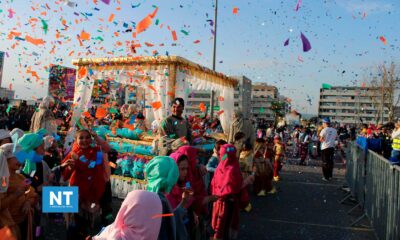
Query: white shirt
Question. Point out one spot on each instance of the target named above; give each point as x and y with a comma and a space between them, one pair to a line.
329, 134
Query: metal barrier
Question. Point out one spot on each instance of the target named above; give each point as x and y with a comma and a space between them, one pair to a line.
355, 173
375, 184
382, 203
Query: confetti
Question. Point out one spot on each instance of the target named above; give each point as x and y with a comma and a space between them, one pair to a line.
163, 215
235, 10
306, 43
156, 105
383, 40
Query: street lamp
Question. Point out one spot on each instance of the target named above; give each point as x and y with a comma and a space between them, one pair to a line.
214, 55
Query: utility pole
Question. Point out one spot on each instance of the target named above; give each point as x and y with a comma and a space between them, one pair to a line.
214, 57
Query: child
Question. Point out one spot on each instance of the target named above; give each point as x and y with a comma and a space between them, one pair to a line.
213, 162
246, 160
261, 168
279, 154
90, 172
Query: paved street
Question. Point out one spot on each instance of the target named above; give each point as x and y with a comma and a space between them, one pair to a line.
305, 208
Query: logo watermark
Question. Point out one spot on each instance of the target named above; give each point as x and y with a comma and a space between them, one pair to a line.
60, 199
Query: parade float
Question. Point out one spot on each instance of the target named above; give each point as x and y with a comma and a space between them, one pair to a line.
161, 79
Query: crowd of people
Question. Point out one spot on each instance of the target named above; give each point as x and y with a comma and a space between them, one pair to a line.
185, 198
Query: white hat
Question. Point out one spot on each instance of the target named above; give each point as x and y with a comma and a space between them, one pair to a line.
17, 131
4, 134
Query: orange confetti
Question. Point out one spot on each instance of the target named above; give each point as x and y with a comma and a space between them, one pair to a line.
221, 98
163, 215
149, 44
220, 112
82, 72
101, 113
144, 24
35, 41
152, 88
196, 42
235, 10
85, 35
202, 107
111, 18
174, 37
156, 105
71, 53
86, 114
383, 39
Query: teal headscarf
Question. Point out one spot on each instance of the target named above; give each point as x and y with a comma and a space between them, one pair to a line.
30, 141
162, 173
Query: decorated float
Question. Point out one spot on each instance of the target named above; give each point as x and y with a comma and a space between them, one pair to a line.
160, 79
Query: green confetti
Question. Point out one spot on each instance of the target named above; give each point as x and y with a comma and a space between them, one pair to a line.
262, 110
99, 38
8, 109
157, 22
184, 32
44, 26
224, 157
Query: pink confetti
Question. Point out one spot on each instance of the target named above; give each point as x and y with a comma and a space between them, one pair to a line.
298, 5
106, 1
10, 13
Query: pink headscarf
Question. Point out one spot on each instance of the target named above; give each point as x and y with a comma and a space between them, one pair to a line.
227, 177
138, 218
194, 177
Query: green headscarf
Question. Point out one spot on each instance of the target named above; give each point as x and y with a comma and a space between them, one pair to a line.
30, 141
162, 174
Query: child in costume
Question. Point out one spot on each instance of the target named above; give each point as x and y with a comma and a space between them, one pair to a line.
279, 155
90, 172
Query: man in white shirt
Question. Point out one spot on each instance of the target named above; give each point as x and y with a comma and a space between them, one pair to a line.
328, 138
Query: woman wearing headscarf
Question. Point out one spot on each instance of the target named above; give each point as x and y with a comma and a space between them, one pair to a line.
162, 174
227, 185
241, 125
44, 118
190, 176
20, 198
138, 218
35, 168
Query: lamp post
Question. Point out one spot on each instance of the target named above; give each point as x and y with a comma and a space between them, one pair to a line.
214, 55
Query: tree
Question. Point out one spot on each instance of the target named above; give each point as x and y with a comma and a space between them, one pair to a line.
383, 91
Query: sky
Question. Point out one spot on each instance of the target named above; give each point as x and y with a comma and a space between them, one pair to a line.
349, 39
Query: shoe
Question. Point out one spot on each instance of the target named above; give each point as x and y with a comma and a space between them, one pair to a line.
277, 178
248, 208
326, 179
262, 193
273, 191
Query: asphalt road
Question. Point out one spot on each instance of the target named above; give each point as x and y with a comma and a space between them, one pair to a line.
305, 208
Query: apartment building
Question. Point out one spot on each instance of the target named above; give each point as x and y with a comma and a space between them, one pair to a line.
351, 105
262, 96
242, 95
242, 99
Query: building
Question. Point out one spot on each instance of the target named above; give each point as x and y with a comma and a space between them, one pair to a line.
242, 96
262, 97
197, 97
242, 99
351, 105
6, 93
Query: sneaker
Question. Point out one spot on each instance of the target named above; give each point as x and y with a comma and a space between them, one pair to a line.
262, 193
273, 191
325, 179
248, 208
277, 178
